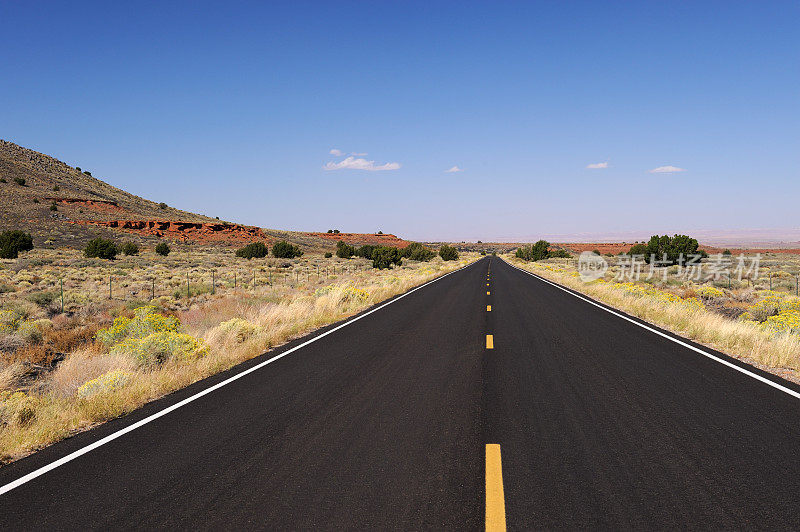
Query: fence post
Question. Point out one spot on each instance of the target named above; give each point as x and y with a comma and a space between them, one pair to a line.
213, 283
234, 280
254, 279
61, 282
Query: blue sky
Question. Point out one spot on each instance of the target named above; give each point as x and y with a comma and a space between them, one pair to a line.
231, 109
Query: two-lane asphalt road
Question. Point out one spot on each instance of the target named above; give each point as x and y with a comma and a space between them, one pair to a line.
399, 420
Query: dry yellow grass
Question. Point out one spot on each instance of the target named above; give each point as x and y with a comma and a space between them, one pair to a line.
234, 325
739, 338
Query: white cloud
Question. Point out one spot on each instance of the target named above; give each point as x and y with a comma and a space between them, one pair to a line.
453, 170
352, 163
359, 154
336, 153
595, 166
666, 170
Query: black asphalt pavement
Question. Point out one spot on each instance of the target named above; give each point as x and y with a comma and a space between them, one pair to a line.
383, 424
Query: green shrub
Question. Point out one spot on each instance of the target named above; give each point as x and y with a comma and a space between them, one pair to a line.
130, 248
56, 188
3, 180
20, 181
385, 256
638, 249
285, 250
673, 247
12, 242
328, 254
87, 172
418, 252
448, 252
538, 251
43, 299
559, 253
36, 200
254, 250
163, 249
727, 252
162, 205
101, 248
344, 251
366, 251
53, 206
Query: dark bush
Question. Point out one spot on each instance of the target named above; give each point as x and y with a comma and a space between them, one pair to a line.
328, 254
12, 242
87, 172
344, 251
672, 248
56, 188
163, 249
448, 252
101, 248
35, 200
162, 205
559, 253
385, 256
254, 250
727, 252
130, 248
366, 251
78, 168
538, 251
53, 206
20, 181
638, 249
416, 251
3, 180
285, 250
330, 230
336, 231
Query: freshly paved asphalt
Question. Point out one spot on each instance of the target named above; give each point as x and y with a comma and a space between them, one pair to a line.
383, 425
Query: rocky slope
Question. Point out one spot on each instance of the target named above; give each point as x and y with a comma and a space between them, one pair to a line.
61, 205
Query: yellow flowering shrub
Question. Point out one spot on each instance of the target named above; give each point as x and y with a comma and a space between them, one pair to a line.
710, 292
145, 322
351, 293
238, 329
32, 330
691, 303
159, 347
106, 382
776, 312
17, 408
9, 321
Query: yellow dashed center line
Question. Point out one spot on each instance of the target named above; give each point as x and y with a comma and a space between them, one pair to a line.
495, 498
489, 341
488, 308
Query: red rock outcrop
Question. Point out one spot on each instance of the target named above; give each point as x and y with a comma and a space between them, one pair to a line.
185, 231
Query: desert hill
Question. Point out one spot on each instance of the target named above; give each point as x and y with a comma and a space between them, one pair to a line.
61, 205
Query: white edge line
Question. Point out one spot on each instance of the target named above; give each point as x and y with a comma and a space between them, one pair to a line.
83, 450
668, 337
